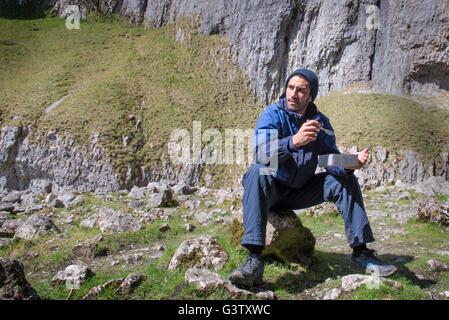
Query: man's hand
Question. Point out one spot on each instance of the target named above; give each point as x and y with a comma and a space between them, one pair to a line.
307, 133
362, 156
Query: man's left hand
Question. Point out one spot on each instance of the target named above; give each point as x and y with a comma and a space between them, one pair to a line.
362, 156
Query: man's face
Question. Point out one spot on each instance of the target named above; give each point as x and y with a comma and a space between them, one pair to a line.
298, 94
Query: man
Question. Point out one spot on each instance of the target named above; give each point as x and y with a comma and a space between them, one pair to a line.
298, 140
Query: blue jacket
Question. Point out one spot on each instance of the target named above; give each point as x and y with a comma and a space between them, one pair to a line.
295, 166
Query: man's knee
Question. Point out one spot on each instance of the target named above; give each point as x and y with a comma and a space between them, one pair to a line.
334, 185
256, 176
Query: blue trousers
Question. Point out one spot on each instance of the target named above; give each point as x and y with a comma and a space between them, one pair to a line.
262, 192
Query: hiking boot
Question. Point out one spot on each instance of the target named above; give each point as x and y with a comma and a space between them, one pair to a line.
250, 273
368, 261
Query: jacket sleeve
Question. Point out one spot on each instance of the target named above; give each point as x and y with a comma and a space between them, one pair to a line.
329, 147
268, 142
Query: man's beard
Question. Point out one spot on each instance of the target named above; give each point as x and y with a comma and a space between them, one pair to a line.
298, 108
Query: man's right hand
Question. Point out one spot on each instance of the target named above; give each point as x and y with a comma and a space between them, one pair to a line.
307, 133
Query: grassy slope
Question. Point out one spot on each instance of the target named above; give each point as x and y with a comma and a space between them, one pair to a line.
398, 123
113, 71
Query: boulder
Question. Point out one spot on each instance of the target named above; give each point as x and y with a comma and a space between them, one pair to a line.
7, 206
332, 294
184, 189
201, 251
286, 238
433, 185
37, 224
13, 284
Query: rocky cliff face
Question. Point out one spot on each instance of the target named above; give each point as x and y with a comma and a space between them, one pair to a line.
401, 46
52, 163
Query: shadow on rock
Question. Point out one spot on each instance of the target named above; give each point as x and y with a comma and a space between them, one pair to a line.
28, 10
400, 261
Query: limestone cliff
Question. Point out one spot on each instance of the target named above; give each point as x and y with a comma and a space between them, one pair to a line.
400, 46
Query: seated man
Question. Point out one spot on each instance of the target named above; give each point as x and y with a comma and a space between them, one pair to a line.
296, 125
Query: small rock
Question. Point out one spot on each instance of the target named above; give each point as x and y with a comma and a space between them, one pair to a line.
420, 276
66, 197
202, 217
131, 282
189, 227
332, 294
165, 227
192, 204
161, 199
74, 274
209, 204
202, 252
404, 195
136, 192
7, 206
50, 197
436, 265
206, 280
354, 281
9, 227
110, 220
57, 203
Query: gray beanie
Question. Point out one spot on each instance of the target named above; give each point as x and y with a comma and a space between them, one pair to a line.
310, 76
